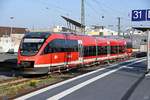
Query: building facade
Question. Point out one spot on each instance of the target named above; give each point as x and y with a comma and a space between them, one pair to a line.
10, 38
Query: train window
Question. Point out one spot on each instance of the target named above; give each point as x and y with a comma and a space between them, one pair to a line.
114, 49
72, 45
93, 50
99, 50
57, 45
108, 49
61, 45
121, 49
85, 51
102, 50
105, 50
89, 51
129, 44
47, 49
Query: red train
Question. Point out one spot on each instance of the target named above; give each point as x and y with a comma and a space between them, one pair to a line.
41, 52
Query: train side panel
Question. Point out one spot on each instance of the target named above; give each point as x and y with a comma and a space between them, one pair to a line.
65, 50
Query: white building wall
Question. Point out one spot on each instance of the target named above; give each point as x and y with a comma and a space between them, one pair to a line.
105, 31
6, 44
16, 39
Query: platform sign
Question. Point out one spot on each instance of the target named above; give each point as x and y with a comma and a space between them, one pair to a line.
139, 15
143, 15
148, 15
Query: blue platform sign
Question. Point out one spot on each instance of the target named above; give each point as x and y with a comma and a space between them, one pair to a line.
148, 15
139, 15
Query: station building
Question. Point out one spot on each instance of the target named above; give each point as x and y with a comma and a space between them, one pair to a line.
100, 31
10, 38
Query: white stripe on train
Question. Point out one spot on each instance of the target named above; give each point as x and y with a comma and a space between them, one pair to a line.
79, 61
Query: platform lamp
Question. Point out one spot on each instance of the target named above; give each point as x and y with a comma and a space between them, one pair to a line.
103, 22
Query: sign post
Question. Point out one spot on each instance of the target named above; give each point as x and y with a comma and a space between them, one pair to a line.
148, 15
143, 15
148, 42
148, 50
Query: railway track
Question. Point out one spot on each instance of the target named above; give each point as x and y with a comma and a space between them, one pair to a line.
80, 70
55, 77
15, 81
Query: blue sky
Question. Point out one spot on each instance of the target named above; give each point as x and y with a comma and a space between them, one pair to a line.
46, 13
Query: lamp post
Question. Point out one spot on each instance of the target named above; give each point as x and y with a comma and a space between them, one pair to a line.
102, 26
11, 28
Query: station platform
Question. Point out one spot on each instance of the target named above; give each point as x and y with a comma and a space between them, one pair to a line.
123, 81
142, 91
10, 58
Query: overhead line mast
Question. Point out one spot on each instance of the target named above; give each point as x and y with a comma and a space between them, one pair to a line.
119, 26
82, 17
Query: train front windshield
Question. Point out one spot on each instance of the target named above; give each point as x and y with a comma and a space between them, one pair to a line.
30, 46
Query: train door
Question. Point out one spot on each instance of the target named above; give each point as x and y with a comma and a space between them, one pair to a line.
72, 51
67, 53
108, 49
96, 49
58, 52
80, 49
69, 50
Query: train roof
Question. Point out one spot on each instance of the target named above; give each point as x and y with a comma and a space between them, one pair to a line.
81, 36
37, 35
